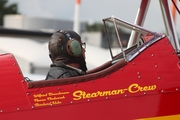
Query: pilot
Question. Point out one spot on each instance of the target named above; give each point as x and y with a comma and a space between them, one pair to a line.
67, 53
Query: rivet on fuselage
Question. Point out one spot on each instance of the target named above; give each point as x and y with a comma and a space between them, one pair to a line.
18, 108
51, 104
162, 91
88, 100
75, 85
125, 95
152, 55
71, 102
144, 93
121, 69
106, 98
138, 73
92, 81
32, 107
42, 92
133, 63
159, 78
58, 88
1, 111
22, 81
139, 76
27, 93
107, 76
155, 66
177, 89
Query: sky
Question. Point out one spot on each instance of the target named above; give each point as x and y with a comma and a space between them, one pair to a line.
94, 11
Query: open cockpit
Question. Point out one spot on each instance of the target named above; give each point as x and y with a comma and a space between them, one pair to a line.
120, 50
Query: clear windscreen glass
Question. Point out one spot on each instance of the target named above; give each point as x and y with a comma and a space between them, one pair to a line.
118, 34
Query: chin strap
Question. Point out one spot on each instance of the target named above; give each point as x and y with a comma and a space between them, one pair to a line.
78, 70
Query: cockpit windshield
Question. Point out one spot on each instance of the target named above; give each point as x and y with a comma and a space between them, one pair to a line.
122, 35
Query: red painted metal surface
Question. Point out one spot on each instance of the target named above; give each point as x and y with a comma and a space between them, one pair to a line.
147, 86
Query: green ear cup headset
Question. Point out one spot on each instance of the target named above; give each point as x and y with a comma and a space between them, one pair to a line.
73, 46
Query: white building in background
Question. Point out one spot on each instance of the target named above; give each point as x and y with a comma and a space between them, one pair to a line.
93, 38
27, 38
32, 23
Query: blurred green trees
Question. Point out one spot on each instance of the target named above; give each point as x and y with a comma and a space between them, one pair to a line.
95, 27
6, 8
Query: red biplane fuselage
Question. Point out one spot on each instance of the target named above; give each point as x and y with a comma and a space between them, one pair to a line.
140, 83
147, 86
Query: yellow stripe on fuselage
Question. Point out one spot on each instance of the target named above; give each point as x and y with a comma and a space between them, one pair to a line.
170, 117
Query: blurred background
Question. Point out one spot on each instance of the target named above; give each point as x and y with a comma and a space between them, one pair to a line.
27, 25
